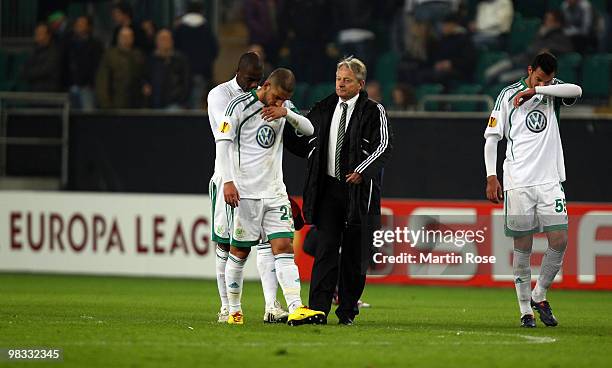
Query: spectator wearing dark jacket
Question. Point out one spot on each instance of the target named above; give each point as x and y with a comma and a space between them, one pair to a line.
168, 75
119, 81
195, 39
123, 16
261, 20
84, 54
42, 70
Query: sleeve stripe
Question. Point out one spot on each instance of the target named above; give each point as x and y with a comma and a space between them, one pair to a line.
384, 142
234, 102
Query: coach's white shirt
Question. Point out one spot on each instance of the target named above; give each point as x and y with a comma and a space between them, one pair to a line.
218, 99
333, 132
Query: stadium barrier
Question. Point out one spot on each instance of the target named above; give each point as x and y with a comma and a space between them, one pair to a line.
168, 235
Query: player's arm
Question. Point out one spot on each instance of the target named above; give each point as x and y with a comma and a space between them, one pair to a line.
288, 111
563, 90
224, 139
381, 138
493, 134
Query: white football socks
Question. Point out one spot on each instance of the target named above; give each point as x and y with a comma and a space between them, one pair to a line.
522, 279
267, 273
233, 279
220, 261
289, 279
551, 264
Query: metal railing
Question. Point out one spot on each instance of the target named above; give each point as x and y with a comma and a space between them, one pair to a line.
24, 102
456, 99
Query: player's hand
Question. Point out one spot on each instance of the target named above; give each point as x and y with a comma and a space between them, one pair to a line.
354, 178
524, 96
230, 193
494, 190
270, 113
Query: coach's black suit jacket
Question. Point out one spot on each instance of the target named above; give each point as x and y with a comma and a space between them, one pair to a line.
344, 213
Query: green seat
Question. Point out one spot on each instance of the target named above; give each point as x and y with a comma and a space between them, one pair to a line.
522, 33
485, 60
4, 71
319, 92
596, 76
299, 96
568, 67
467, 89
386, 68
428, 89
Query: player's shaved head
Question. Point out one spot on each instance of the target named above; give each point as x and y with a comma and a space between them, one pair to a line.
250, 71
283, 78
249, 60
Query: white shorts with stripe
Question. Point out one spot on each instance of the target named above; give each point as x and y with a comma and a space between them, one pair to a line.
259, 220
539, 208
220, 211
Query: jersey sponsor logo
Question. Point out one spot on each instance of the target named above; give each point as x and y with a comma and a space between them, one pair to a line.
492, 122
536, 121
224, 127
266, 136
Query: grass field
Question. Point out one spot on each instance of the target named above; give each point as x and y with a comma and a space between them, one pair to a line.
109, 322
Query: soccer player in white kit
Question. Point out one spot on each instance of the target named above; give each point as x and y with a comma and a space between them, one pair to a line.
527, 114
249, 145
248, 76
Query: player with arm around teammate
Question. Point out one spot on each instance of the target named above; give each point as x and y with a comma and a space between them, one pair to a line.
251, 134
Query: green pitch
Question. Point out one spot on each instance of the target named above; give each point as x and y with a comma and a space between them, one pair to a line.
111, 322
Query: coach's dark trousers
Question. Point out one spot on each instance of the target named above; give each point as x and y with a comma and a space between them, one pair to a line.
331, 264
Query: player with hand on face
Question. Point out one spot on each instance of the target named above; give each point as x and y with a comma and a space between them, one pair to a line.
526, 113
250, 147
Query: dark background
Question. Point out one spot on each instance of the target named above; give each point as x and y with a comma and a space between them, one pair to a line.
433, 158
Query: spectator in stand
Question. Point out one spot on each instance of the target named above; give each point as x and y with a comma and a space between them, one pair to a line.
352, 20
58, 23
578, 18
493, 21
122, 15
149, 29
374, 91
168, 75
452, 58
306, 49
261, 20
195, 39
403, 98
120, 76
550, 38
42, 70
84, 54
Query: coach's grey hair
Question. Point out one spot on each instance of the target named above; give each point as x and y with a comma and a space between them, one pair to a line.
355, 65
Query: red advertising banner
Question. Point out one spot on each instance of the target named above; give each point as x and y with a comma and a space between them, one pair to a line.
485, 259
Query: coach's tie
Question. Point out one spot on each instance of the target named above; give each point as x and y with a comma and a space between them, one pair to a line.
341, 131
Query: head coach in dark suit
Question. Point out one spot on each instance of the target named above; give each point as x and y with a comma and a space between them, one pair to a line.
346, 157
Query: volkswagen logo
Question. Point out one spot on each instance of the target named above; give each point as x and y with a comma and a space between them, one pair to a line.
266, 136
536, 121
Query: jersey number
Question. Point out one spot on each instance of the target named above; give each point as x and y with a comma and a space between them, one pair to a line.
286, 213
560, 205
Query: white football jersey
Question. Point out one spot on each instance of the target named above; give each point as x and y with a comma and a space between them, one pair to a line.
534, 154
257, 152
218, 99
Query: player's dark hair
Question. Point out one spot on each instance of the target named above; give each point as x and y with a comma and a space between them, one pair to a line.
125, 8
545, 61
249, 60
283, 78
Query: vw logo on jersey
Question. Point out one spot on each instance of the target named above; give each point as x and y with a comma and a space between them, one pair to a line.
266, 136
536, 121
